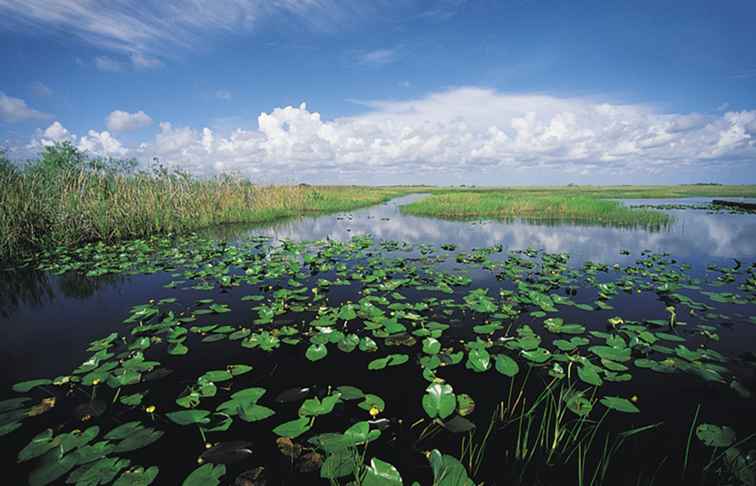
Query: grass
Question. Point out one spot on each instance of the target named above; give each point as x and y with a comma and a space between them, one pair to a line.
65, 198
577, 208
577, 204
622, 191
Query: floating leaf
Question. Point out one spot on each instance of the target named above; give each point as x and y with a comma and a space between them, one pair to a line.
506, 365
188, 417
205, 475
26, 386
439, 400
381, 474
715, 436
293, 428
620, 404
316, 352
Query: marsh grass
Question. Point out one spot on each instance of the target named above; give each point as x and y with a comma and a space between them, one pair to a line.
65, 198
536, 206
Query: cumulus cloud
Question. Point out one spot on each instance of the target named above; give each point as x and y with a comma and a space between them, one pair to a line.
123, 121
56, 133
460, 132
16, 110
102, 143
95, 143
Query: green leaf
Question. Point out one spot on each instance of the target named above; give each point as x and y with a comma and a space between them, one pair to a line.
439, 400
293, 428
205, 475
465, 404
188, 417
431, 345
25, 386
381, 474
715, 436
316, 352
339, 464
448, 471
314, 406
138, 476
506, 365
620, 404
538, 355
478, 360
589, 374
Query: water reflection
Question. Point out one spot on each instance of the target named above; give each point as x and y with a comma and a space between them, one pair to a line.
695, 235
34, 289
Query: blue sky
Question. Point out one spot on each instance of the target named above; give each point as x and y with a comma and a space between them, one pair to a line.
442, 91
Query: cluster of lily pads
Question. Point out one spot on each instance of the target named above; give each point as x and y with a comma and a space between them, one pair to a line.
414, 309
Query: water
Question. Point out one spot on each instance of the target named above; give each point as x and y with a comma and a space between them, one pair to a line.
48, 320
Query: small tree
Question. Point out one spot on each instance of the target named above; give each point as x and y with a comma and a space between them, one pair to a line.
60, 156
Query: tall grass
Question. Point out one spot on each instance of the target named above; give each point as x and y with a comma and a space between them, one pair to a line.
536, 207
66, 198
614, 192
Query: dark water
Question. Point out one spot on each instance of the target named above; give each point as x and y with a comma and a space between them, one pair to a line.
46, 322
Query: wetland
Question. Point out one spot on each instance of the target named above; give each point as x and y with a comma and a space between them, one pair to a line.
375, 346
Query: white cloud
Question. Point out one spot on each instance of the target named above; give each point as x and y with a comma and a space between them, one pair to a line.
123, 121
378, 57
16, 110
460, 132
108, 64
56, 133
150, 26
223, 94
102, 143
95, 143
40, 89
140, 61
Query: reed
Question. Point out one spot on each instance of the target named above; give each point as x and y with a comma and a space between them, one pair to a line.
65, 198
536, 206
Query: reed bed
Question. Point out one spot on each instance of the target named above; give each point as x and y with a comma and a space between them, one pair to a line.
53, 202
534, 206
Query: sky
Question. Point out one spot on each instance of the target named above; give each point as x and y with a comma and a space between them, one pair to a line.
447, 92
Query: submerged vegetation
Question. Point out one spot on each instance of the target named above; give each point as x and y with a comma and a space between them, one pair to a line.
576, 208
66, 198
376, 362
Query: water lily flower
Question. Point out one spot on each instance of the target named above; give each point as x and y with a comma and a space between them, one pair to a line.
150, 409
374, 411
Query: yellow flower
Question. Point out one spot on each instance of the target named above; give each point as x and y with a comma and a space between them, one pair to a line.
374, 411
96, 381
634, 398
150, 409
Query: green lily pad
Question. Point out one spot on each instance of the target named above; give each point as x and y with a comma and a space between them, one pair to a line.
205, 475
620, 404
715, 436
381, 473
439, 400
